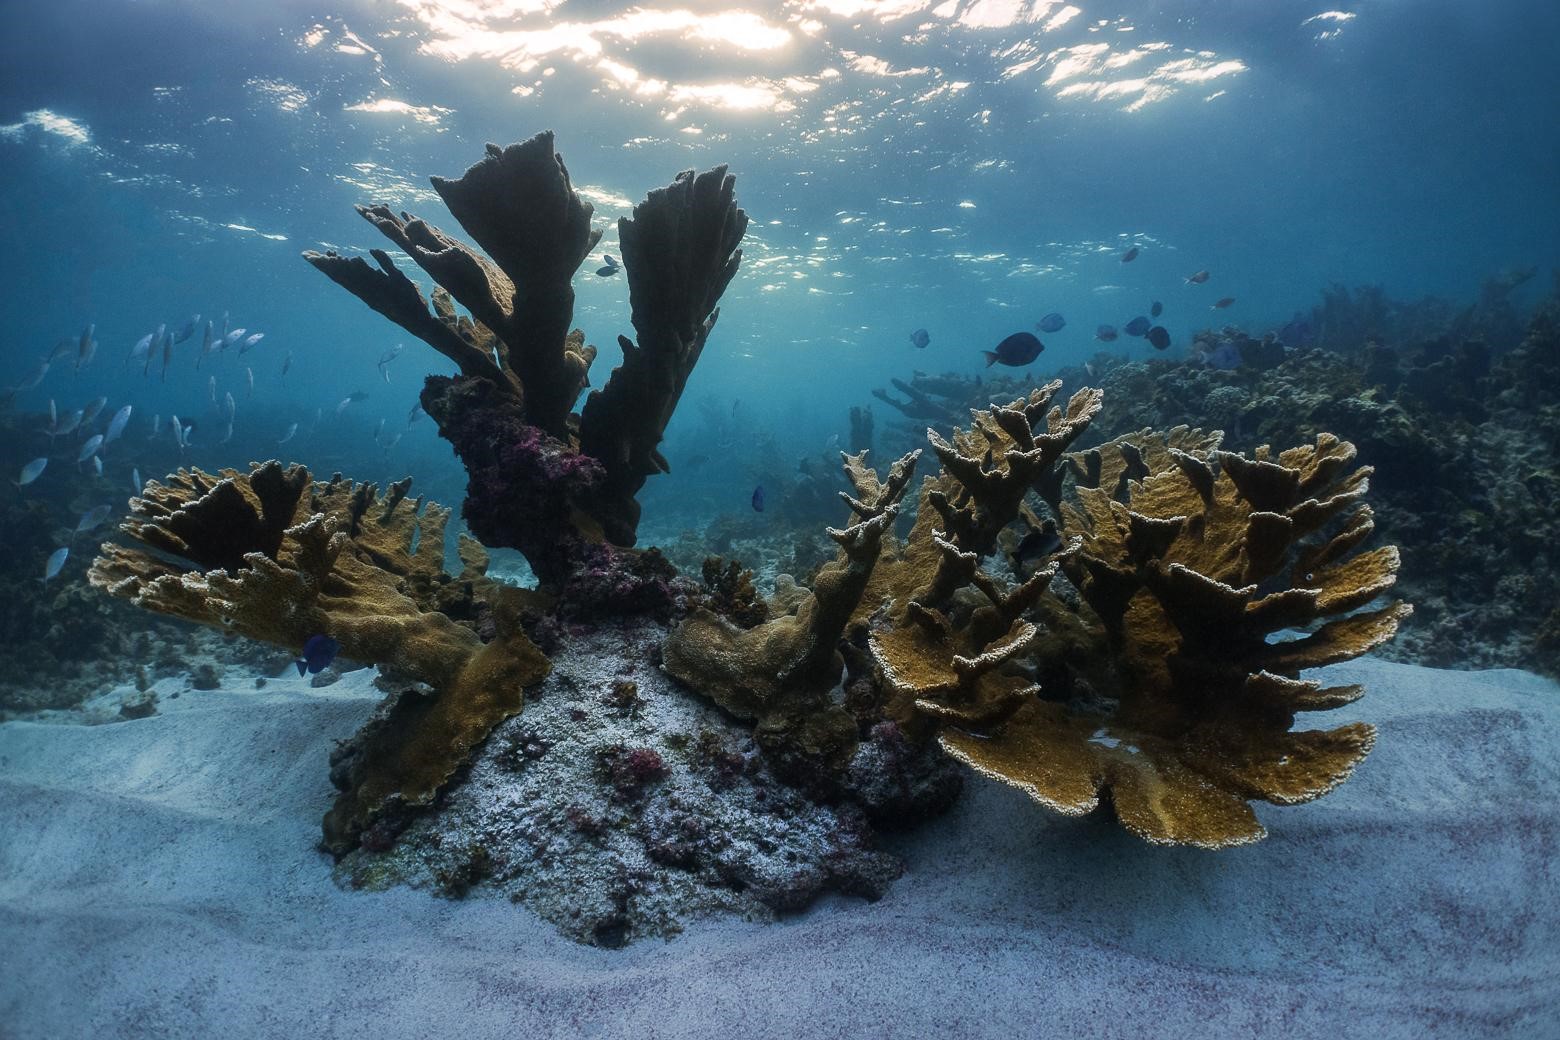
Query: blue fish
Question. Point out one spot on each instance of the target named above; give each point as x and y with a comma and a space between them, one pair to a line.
317, 655
1159, 337
920, 337
1137, 326
31, 471
1016, 351
610, 268
1130, 255
1105, 333
758, 499
1052, 322
1156, 310
56, 561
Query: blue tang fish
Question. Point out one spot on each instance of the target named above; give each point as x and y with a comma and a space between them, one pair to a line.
758, 499
920, 337
1052, 322
1159, 337
1016, 351
1137, 326
317, 655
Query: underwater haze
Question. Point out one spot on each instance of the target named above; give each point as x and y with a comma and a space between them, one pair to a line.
1096, 577
964, 167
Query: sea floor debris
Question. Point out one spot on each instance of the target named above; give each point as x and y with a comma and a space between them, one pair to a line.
617, 807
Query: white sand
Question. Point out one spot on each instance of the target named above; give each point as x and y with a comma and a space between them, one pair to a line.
158, 878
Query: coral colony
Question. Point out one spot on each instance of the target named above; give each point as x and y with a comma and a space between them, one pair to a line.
662, 744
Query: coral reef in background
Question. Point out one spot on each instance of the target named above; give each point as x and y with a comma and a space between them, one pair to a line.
1462, 438
273, 556
556, 485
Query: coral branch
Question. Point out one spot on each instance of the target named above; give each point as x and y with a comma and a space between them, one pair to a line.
344, 566
680, 252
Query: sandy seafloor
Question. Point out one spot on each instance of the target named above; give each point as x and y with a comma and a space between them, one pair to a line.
159, 878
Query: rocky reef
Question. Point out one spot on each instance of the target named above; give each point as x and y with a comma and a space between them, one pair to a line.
1122, 627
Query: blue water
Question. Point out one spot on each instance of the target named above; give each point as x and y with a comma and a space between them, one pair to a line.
965, 167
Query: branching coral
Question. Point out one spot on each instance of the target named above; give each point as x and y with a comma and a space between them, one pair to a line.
781, 673
1208, 559
268, 555
544, 480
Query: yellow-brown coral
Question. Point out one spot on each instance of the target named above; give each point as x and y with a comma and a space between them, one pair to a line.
1207, 560
278, 559
780, 673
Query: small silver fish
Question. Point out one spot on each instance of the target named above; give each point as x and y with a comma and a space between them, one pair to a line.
415, 414
31, 471
68, 424
211, 390
91, 411
291, 431
391, 441
178, 434
56, 561
156, 424
187, 329
227, 432
167, 356
142, 347
135, 479
64, 348
389, 356
249, 376
35, 377
233, 337
249, 343
90, 448
229, 406
92, 518
154, 348
379, 430
86, 348
97, 465
207, 344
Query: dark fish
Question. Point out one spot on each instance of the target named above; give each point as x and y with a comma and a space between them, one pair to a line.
317, 655
1137, 326
1197, 279
1156, 310
1223, 303
612, 267
920, 337
1052, 322
1105, 333
1016, 351
1038, 543
758, 499
1296, 334
1158, 337
1130, 255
